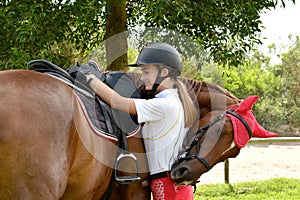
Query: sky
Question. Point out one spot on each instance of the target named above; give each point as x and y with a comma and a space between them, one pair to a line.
280, 23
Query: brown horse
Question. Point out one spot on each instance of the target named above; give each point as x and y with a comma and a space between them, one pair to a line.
48, 150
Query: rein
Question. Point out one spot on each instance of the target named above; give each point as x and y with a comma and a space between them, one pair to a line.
196, 142
201, 132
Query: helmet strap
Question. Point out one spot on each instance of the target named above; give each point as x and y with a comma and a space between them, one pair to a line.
160, 79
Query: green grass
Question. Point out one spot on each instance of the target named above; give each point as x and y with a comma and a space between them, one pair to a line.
273, 189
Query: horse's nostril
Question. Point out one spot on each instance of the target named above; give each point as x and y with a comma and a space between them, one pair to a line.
180, 175
182, 171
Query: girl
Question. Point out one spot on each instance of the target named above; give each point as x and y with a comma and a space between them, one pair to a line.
166, 117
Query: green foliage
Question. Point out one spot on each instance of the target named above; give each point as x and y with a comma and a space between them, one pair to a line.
278, 107
288, 97
191, 71
227, 29
33, 29
43, 28
276, 189
290, 73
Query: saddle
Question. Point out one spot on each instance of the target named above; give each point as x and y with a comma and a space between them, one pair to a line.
106, 122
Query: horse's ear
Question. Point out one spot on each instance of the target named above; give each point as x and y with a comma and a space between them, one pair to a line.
247, 104
257, 129
260, 132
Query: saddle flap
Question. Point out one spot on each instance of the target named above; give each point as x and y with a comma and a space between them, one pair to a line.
118, 120
123, 85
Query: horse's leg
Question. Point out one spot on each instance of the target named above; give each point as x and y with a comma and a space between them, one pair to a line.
35, 121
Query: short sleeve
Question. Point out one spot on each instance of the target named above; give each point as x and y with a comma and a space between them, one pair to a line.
150, 110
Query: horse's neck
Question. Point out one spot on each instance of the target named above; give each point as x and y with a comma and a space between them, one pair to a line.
209, 97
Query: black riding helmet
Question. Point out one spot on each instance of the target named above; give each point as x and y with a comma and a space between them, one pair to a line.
164, 56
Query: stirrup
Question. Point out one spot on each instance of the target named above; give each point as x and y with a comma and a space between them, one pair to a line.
126, 179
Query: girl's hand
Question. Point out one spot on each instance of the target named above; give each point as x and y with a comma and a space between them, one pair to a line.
89, 79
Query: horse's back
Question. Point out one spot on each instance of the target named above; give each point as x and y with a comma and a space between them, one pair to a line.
35, 121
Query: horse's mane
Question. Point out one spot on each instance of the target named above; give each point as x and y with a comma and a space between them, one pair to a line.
209, 97
202, 86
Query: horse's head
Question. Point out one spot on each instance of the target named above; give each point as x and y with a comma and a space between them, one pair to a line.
221, 136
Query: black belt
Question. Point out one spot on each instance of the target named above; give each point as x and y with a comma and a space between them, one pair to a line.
159, 175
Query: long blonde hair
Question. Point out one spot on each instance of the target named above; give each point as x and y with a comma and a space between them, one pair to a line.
191, 112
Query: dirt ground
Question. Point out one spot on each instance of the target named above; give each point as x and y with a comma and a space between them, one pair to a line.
259, 162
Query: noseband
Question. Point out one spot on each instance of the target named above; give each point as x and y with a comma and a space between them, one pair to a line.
200, 134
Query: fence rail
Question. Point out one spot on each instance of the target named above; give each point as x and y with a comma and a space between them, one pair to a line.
274, 140
260, 141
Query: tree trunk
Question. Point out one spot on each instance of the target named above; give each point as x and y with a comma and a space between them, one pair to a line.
116, 36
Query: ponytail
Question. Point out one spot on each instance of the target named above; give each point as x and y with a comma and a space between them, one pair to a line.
189, 107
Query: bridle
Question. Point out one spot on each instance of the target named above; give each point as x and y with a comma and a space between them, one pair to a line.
199, 134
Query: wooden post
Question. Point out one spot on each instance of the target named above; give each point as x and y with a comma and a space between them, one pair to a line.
260, 141
226, 171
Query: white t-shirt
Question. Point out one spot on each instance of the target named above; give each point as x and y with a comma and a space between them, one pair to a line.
163, 131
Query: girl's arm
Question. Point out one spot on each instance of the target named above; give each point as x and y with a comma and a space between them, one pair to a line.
111, 97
